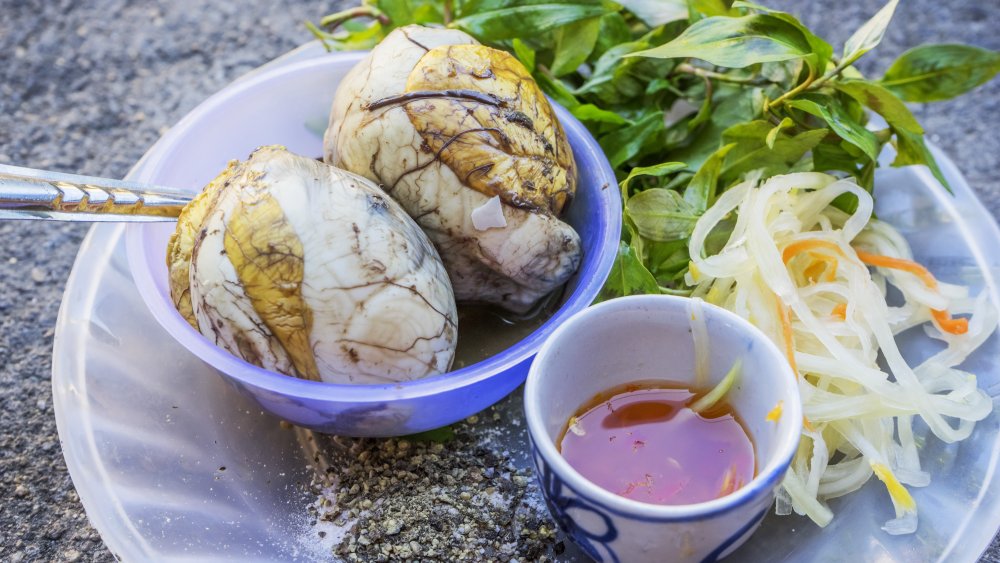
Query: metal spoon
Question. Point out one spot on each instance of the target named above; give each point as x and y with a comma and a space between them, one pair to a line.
26, 193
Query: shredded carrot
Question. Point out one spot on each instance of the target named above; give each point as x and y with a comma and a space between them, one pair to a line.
786, 333
943, 319
949, 324
809, 244
898, 264
840, 311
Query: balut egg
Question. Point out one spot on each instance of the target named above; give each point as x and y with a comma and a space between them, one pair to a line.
461, 136
311, 271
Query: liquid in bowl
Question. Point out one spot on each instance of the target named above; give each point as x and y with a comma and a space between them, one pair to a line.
642, 441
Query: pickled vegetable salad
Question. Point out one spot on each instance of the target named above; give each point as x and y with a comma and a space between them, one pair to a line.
815, 279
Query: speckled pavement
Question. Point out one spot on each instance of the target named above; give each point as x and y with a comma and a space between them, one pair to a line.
87, 86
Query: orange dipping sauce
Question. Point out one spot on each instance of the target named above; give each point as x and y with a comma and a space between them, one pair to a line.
641, 441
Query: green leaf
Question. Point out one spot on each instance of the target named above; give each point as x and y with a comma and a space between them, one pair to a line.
931, 73
911, 149
626, 143
492, 20
655, 13
618, 80
881, 101
772, 135
406, 12
734, 105
657, 170
713, 8
827, 109
614, 31
574, 43
735, 42
609, 80
592, 113
869, 35
821, 50
661, 215
628, 276
752, 153
704, 112
701, 189
557, 90
667, 261
832, 155
524, 54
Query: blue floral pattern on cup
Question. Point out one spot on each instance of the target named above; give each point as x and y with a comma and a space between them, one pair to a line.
559, 506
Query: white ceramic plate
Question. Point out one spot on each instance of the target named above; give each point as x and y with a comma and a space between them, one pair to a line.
146, 428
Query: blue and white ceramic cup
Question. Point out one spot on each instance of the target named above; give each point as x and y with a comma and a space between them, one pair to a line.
649, 337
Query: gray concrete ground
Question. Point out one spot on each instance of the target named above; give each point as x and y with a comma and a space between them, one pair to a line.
86, 86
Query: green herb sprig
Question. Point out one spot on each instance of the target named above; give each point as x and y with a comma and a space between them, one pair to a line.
686, 97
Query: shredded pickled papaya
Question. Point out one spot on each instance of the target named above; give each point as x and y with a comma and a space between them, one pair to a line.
791, 264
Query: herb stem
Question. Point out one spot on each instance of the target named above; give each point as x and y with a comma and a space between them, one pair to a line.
833, 73
672, 291
721, 77
448, 11
331, 22
793, 92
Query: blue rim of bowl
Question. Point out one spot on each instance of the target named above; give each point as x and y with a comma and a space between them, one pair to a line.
591, 276
761, 484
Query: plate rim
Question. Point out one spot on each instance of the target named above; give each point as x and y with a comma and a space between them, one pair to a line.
969, 543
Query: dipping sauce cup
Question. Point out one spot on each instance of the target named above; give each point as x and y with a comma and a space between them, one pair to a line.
644, 338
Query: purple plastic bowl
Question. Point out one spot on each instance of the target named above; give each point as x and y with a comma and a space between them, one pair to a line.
287, 105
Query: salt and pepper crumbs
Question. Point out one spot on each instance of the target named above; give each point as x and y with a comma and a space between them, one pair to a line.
464, 499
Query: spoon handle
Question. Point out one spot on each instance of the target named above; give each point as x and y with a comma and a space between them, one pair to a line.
26, 193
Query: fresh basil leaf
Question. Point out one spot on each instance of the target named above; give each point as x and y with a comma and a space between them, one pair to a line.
524, 54
614, 31
931, 73
822, 51
700, 191
735, 42
829, 156
734, 105
827, 109
713, 8
911, 149
628, 276
786, 73
655, 13
628, 142
848, 202
869, 35
493, 20
574, 43
609, 80
666, 259
592, 113
661, 215
557, 90
704, 111
772, 135
406, 12
752, 153
657, 170
619, 80
881, 101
